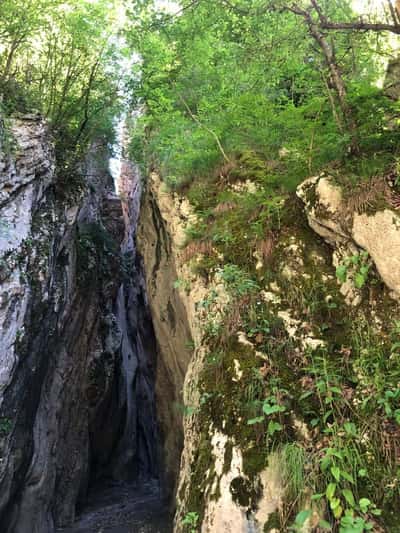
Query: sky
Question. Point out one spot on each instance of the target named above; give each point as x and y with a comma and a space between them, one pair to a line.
167, 5
365, 6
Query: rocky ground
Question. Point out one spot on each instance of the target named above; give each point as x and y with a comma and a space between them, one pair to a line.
124, 508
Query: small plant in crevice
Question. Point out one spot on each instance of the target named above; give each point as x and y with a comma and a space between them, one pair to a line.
191, 520
182, 284
5, 426
391, 404
237, 282
272, 408
357, 266
208, 301
294, 461
186, 410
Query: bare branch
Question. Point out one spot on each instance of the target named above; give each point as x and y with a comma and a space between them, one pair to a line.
211, 132
360, 26
393, 12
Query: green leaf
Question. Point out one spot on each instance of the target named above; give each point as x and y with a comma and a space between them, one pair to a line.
349, 524
256, 420
341, 273
273, 427
302, 517
364, 504
191, 519
359, 280
317, 497
338, 511
348, 495
323, 524
335, 453
330, 490
350, 428
325, 462
334, 503
269, 409
335, 471
348, 477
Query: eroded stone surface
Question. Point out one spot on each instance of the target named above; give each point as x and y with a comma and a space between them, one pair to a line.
222, 515
379, 234
177, 316
349, 233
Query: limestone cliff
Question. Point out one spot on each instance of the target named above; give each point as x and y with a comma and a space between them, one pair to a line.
328, 309
172, 316
174, 294
349, 229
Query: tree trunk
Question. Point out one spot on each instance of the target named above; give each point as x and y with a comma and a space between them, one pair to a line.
334, 70
10, 58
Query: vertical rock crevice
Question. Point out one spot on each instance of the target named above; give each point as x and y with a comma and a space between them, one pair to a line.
78, 363
171, 326
137, 453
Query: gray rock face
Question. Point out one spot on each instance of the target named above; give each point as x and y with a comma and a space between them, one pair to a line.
60, 340
137, 454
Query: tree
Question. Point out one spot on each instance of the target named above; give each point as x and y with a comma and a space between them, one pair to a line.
62, 59
336, 79
20, 23
245, 75
361, 25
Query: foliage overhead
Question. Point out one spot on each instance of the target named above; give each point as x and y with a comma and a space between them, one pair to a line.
220, 78
63, 60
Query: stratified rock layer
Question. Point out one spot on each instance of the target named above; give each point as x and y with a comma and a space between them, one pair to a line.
58, 334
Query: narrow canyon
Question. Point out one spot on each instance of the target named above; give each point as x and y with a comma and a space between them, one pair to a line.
199, 266
89, 407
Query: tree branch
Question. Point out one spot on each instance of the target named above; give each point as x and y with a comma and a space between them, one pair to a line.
360, 26
393, 13
211, 132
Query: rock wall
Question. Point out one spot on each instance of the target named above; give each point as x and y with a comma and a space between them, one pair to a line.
138, 454
348, 230
175, 293
172, 315
231, 477
59, 338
